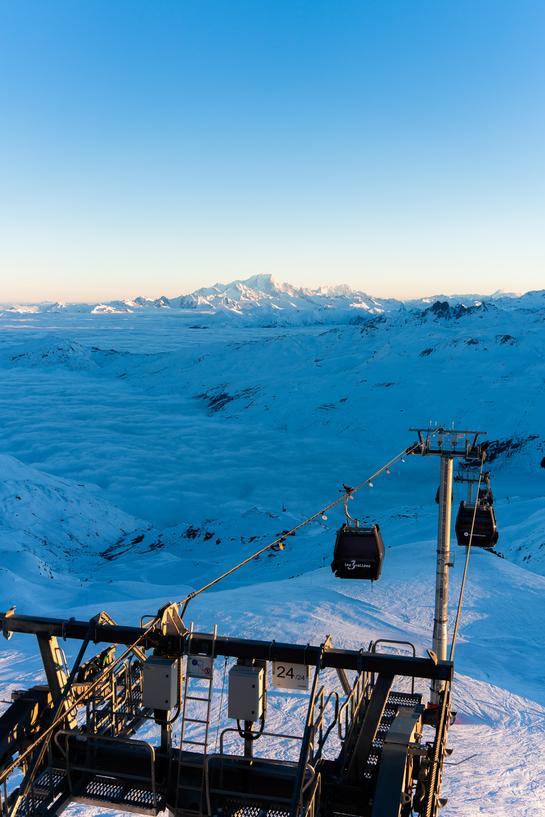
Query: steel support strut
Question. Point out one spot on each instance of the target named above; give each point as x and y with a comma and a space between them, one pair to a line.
179, 645
440, 621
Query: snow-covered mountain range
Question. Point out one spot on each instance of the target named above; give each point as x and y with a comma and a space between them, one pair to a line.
145, 450
260, 300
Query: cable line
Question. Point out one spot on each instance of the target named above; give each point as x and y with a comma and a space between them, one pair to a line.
466, 566
279, 541
276, 543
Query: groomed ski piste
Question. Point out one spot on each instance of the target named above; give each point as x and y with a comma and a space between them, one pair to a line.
144, 451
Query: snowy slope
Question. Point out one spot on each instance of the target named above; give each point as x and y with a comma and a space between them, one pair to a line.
186, 406
498, 692
151, 454
51, 534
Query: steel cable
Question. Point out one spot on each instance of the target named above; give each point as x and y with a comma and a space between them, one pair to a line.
466, 566
279, 541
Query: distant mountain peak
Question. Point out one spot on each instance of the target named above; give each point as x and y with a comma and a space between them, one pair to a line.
263, 282
262, 300
447, 311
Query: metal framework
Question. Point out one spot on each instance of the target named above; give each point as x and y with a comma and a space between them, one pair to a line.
447, 444
451, 442
469, 473
365, 748
370, 747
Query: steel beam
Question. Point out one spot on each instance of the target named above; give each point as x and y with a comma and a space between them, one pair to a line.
52, 657
357, 660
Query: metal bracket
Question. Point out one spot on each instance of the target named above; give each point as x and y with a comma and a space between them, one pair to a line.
8, 614
171, 622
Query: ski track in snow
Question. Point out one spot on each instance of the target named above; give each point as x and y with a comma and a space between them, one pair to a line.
174, 452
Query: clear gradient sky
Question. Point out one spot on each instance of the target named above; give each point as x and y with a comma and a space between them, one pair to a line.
153, 147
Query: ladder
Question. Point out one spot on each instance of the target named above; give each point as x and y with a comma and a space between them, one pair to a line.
195, 727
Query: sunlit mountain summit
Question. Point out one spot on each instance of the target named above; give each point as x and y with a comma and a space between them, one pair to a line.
262, 300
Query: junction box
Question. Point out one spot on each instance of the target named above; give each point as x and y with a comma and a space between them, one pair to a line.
160, 682
246, 693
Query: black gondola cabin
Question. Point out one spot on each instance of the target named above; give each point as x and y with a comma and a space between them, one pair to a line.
359, 553
485, 531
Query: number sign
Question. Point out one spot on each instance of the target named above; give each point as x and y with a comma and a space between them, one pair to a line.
289, 676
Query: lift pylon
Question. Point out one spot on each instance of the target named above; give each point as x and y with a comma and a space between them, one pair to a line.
369, 747
447, 444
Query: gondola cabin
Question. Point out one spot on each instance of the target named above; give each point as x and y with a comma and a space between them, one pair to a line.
485, 531
359, 553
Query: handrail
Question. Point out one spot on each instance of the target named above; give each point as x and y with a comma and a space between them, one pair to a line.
308, 739
263, 734
307, 780
373, 647
351, 706
311, 810
318, 724
118, 702
83, 737
393, 641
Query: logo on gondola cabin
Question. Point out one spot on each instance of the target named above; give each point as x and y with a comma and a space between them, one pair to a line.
354, 564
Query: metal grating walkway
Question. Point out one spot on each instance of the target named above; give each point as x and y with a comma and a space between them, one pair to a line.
50, 787
233, 807
395, 700
101, 791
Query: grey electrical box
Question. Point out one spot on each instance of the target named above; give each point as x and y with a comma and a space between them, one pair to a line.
246, 693
160, 683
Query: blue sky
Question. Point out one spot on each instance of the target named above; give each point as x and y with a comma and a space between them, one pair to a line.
150, 148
